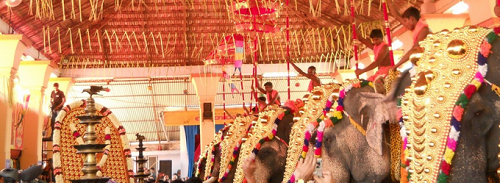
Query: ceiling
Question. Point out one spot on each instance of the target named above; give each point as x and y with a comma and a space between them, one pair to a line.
171, 33
158, 33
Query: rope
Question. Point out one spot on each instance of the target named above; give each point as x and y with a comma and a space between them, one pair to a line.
357, 126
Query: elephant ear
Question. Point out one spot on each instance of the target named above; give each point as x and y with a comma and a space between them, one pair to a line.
375, 111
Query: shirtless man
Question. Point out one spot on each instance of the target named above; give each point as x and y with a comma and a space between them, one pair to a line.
412, 21
381, 54
311, 74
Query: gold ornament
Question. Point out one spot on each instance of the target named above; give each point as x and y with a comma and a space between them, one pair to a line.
389, 79
316, 102
259, 130
438, 83
208, 151
235, 133
395, 152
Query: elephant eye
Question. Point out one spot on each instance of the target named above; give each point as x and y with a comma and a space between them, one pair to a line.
329, 139
479, 112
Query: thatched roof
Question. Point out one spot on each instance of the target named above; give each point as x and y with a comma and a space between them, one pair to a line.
173, 33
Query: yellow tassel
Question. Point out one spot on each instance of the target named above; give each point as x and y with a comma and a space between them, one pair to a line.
477, 83
448, 155
304, 154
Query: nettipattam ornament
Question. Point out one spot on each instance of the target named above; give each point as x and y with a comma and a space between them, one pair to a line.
315, 101
450, 69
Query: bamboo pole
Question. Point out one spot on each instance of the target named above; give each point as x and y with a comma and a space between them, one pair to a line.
388, 31
354, 36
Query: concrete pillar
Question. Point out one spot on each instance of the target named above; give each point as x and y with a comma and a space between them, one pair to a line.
429, 6
12, 47
481, 11
438, 22
34, 75
206, 90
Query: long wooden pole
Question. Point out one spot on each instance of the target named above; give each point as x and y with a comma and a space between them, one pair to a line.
288, 47
354, 36
224, 92
388, 31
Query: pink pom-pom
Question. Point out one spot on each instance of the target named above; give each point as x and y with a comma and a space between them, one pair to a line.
340, 108
452, 144
320, 136
308, 135
479, 77
342, 94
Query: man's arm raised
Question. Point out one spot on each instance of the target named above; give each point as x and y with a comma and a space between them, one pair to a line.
380, 57
394, 12
421, 36
309, 76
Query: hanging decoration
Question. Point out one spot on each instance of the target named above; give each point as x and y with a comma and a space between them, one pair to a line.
230, 50
255, 16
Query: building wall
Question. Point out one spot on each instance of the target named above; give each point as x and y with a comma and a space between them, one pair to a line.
174, 156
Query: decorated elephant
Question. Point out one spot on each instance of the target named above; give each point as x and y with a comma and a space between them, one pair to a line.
356, 146
272, 154
451, 112
269, 137
271, 158
219, 162
209, 163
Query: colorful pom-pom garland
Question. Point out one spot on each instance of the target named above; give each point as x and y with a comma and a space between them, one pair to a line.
204, 156
329, 118
236, 153
272, 135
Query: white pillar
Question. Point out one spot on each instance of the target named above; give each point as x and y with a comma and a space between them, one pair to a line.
206, 89
34, 75
12, 47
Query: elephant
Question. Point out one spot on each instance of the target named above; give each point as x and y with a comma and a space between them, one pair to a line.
216, 166
283, 131
354, 158
271, 159
475, 158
